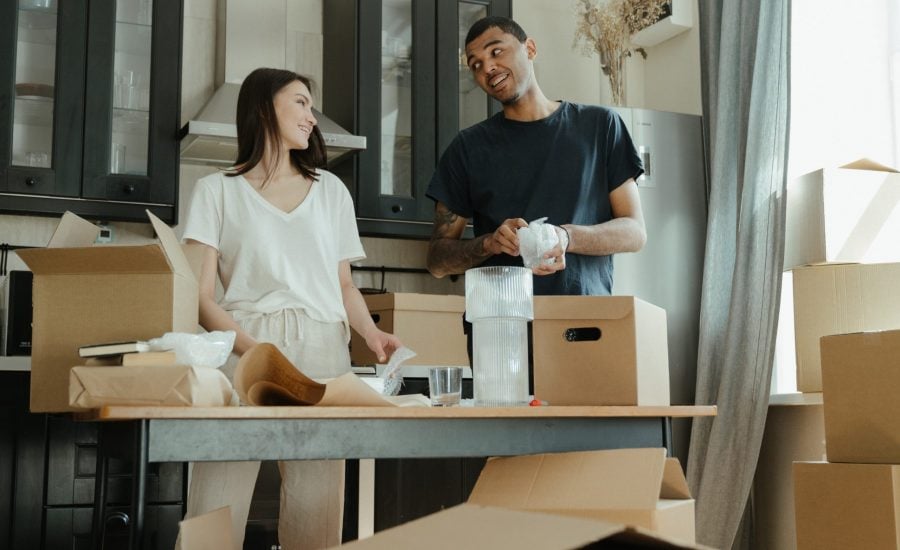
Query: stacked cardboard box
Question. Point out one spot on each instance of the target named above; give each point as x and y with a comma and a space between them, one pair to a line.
844, 257
853, 499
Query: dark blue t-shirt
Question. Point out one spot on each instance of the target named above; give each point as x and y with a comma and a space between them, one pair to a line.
563, 167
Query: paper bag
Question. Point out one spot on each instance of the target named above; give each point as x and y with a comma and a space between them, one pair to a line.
265, 377
91, 387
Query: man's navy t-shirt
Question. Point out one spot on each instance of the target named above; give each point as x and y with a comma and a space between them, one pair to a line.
562, 167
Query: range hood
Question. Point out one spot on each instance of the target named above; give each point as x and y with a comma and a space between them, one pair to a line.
211, 137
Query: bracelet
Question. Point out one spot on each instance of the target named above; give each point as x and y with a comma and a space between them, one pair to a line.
568, 239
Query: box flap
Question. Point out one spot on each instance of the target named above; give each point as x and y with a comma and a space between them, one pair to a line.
868, 164
583, 307
171, 247
471, 526
96, 259
674, 485
73, 231
587, 480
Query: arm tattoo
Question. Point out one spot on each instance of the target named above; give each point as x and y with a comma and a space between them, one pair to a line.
447, 254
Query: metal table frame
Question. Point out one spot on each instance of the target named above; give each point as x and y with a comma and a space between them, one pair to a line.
169, 434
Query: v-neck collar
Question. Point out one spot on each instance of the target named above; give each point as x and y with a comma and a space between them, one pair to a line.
274, 209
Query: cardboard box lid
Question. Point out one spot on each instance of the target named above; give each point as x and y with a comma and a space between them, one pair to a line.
69, 252
623, 479
473, 526
869, 164
407, 301
584, 307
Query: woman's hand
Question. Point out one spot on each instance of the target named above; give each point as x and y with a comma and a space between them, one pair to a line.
382, 344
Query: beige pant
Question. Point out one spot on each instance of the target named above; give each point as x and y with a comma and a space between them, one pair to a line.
312, 491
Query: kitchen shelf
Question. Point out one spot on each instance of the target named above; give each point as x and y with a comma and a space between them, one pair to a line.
34, 111
37, 26
681, 20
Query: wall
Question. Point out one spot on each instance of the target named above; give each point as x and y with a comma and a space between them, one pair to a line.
668, 80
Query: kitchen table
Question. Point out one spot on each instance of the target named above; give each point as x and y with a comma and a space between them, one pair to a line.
178, 434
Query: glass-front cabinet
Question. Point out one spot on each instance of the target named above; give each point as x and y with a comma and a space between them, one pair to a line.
90, 120
409, 93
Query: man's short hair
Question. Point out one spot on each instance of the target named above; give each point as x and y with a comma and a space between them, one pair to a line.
505, 24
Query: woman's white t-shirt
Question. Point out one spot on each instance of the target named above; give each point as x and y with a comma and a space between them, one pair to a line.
270, 259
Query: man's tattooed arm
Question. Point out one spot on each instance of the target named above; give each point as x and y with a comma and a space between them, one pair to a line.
447, 254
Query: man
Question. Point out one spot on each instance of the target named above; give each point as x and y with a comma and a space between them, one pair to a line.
574, 164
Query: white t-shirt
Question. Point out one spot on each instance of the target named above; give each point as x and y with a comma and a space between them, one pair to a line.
270, 259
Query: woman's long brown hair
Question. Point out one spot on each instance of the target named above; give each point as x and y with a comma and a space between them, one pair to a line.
257, 124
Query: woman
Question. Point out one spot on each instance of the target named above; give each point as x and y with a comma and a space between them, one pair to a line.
280, 233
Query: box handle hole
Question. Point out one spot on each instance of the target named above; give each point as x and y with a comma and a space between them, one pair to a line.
582, 334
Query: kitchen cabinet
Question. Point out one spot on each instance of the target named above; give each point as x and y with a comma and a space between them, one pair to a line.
408, 489
395, 72
89, 120
47, 472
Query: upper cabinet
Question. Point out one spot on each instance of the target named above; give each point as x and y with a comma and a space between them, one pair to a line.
395, 72
90, 119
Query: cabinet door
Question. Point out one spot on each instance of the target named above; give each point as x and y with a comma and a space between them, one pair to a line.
42, 96
460, 101
396, 106
131, 150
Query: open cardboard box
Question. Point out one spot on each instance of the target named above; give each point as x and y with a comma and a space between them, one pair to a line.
638, 487
600, 350
563, 500
474, 526
840, 506
844, 214
840, 299
86, 294
860, 379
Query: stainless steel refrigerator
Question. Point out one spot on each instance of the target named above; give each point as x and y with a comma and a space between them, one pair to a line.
668, 271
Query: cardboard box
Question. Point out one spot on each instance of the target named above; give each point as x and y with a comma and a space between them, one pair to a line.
87, 294
473, 526
600, 350
429, 324
158, 385
841, 506
845, 214
860, 379
630, 486
840, 299
795, 430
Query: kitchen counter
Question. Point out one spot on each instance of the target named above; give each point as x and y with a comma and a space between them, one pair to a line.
15, 363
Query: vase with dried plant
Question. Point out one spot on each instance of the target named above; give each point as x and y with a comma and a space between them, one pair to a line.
604, 27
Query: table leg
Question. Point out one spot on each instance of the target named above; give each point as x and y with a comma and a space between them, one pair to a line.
139, 485
667, 436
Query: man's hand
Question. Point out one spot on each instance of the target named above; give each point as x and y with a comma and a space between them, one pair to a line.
505, 239
558, 253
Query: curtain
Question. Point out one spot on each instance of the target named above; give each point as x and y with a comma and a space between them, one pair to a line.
744, 70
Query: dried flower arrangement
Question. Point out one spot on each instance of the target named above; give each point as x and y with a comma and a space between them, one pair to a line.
605, 27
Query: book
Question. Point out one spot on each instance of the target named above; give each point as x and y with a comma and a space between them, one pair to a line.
113, 348
149, 359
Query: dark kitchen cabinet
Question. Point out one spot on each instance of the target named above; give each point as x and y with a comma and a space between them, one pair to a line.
89, 107
47, 474
407, 489
395, 72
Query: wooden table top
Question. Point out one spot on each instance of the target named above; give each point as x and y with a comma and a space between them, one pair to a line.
304, 413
